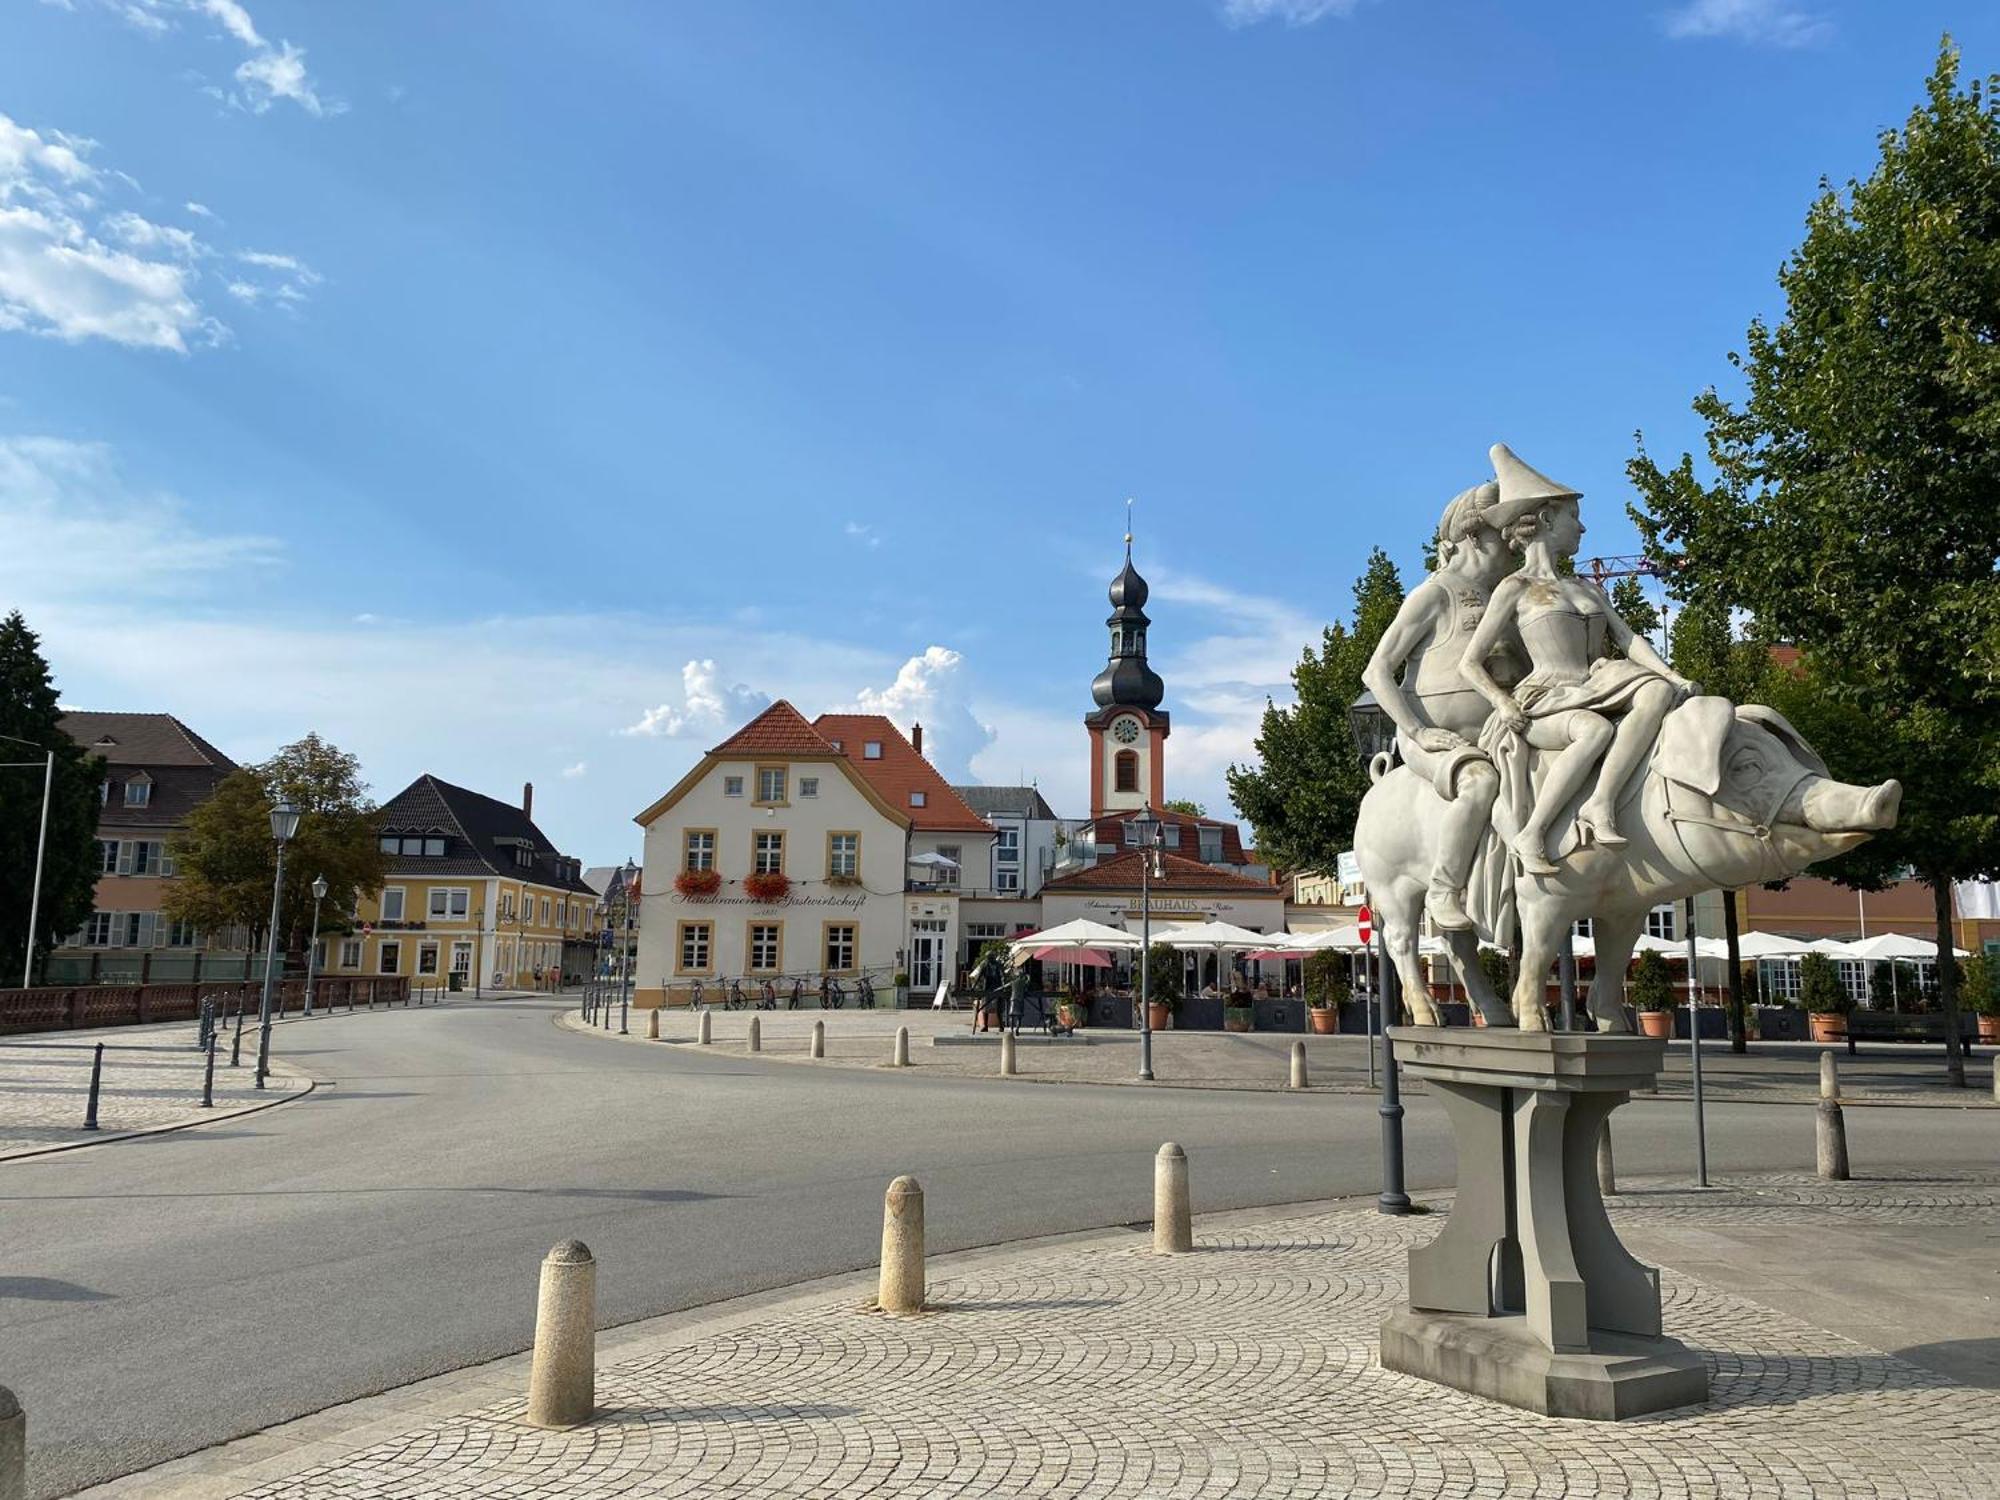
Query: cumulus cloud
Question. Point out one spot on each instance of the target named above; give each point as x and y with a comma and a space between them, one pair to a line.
706, 705
865, 535
1290, 12
935, 690
571, 773
270, 71
1768, 23
73, 267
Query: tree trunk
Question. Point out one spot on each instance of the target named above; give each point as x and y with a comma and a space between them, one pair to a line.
1739, 1033
1947, 975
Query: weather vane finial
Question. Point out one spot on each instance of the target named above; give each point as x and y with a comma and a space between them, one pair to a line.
1128, 529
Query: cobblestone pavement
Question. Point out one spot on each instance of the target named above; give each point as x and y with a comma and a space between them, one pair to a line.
943, 1044
1092, 1368
151, 1081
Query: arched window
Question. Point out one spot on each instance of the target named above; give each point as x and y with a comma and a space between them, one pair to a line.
1125, 770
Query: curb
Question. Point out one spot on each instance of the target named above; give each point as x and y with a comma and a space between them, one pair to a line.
212, 1118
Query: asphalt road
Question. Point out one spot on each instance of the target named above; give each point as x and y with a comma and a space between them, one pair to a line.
163, 1294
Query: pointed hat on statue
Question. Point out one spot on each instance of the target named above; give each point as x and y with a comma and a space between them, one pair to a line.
1522, 489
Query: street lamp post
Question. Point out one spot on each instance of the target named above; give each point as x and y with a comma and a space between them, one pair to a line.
625, 955
1148, 828
1375, 734
603, 959
41, 843
319, 889
284, 823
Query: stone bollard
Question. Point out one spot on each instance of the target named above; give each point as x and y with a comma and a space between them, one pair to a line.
1830, 1132
1173, 1217
1607, 1171
653, 1024
1298, 1065
753, 1039
13, 1448
701, 1033
1006, 1054
562, 1383
899, 1057
818, 1046
901, 1289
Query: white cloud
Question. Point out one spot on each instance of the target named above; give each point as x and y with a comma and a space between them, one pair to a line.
865, 535
199, 210
1290, 12
67, 500
1771, 23
571, 773
706, 705
73, 268
934, 689
270, 72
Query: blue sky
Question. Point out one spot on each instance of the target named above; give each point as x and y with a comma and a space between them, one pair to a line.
527, 391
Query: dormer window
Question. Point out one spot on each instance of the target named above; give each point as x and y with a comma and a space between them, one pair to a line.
138, 792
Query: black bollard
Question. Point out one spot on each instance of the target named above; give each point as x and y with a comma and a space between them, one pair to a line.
208, 1076
96, 1077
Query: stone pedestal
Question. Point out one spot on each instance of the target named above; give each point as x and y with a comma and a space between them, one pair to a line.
1527, 1296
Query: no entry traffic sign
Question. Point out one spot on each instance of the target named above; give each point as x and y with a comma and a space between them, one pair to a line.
1367, 924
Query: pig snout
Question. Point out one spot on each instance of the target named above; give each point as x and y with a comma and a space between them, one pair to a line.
1836, 807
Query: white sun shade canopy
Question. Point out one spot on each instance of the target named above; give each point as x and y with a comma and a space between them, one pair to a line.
1216, 935
1080, 933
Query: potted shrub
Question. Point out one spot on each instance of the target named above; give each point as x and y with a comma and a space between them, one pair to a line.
1979, 983
698, 885
771, 886
1071, 1010
1236, 1011
1328, 984
1824, 997
1652, 995
1163, 986
1499, 970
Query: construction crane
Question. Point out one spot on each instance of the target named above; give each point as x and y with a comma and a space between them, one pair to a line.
1601, 568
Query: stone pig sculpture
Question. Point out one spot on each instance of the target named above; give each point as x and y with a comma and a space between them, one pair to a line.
1731, 797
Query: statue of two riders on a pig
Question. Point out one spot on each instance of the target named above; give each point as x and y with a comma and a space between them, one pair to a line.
1551, 766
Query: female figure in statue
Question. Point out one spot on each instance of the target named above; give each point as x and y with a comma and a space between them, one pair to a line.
1598, 711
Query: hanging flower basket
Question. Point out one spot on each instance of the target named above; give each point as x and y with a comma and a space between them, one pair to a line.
698, 884
767, 887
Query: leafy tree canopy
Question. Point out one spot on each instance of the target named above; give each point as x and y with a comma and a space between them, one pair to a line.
1304, 793
1185, 805
29, 711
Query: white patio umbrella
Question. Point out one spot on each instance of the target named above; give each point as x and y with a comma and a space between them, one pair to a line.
933, 861
1079, 932
1770, 945
1217, 935
1346, 939
1832, 948
1894, 945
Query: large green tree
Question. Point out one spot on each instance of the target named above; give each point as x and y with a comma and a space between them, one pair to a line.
226, 859
1305, 791
1853, 505
29, 711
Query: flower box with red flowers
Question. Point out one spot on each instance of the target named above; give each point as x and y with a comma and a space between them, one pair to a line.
697, 884
771, 887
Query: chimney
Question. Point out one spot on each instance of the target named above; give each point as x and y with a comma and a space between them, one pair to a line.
528, 800
917, 738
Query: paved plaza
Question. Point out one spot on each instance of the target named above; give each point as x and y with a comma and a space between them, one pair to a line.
152, 1080
943, 1044
1090, 1367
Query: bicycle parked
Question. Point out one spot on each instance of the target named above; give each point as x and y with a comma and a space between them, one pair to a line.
864, 993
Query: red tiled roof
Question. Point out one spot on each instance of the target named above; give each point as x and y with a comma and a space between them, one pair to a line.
898, 772
778, 730
1110, 830
1121, 873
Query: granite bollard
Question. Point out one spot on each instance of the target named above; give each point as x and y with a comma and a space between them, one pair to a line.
1006, 1054
753, 1039
1830, 1127
1298, 1079
818, 1047
562, 1382
899, 1056
701, 1031
653, 1024
901, 1288
1173, 1215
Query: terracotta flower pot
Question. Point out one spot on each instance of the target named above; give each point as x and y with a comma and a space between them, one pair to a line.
1656, 1023
1235, 1018
1324, 1019
1828, 1026
1989, 1029
1158, 1017
1072, 1016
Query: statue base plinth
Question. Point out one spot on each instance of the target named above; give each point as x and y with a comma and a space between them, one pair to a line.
1498, 1358
1527, 1296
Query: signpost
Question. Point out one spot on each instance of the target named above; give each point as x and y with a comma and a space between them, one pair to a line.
1372, 969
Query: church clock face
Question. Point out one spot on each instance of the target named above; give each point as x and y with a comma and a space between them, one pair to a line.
1126, 731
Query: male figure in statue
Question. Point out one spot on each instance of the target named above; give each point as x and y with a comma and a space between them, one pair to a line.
1576, 688
1437, 711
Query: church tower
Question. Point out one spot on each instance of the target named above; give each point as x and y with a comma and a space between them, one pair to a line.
1128, 729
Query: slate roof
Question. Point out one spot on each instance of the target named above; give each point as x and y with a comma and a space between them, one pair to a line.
778, 730
1109, 832
473, 826
898, 772
1121, 873
1017, 801
183, 767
